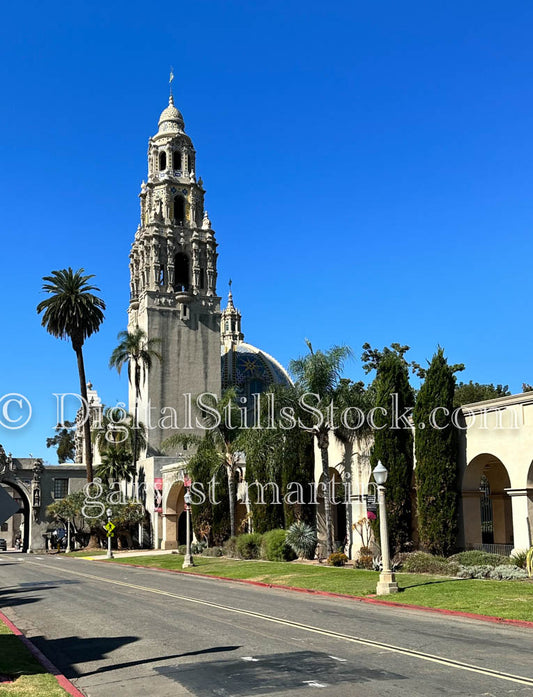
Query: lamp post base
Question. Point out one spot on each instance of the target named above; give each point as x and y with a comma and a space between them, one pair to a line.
387, 584
187, 561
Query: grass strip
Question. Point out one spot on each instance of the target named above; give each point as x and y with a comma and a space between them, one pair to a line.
504, 599
29, 676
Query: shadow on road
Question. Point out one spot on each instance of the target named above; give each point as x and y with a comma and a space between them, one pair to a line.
275, 673
68, 651
144, 661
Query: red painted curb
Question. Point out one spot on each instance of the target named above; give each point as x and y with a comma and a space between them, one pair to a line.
373, 600
43, 660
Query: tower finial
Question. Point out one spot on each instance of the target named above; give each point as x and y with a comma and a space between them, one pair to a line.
170, 80
230, 282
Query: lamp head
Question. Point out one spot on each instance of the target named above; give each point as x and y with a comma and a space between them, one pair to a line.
380, 474
109, 513
188, 498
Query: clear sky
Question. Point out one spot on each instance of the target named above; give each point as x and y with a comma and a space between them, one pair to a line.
368, 169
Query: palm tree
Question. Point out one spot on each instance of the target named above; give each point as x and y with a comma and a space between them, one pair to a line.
319, 373
116, 465
225, 439
117, 429
138, 352
73, 312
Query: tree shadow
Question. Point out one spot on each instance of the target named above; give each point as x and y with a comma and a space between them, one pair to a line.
67, 651
131, 664
432, 583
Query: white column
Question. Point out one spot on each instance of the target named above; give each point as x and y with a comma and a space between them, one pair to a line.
519, 504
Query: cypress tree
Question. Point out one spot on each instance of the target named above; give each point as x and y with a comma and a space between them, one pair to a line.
393, 444
436, 458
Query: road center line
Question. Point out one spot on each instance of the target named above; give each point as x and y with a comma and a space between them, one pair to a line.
308, 628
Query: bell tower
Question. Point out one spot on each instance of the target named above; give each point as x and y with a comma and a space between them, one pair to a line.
173, 276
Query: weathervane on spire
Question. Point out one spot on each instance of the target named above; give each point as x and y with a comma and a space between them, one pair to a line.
171, 78
230, 282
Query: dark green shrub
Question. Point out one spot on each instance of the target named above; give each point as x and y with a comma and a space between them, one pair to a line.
212, 552
475, 557
337, 559
275, 548
230, 548
249, 545
424, 563
182, 549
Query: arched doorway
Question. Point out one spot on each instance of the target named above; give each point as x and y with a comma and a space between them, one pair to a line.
18, 493
487, 510
173, 508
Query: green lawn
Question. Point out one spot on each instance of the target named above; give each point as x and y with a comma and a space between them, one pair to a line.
505, 599
30, 678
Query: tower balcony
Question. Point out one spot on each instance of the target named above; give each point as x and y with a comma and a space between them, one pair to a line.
183, 295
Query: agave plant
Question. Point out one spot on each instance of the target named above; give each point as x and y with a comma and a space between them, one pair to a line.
529, 562
302, 539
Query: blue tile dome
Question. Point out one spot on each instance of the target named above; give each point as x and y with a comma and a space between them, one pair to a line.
250, 370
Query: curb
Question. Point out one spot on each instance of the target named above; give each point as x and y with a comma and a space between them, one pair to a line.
43, 660
370, 599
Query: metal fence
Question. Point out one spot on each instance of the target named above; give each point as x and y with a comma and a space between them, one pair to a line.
502, 549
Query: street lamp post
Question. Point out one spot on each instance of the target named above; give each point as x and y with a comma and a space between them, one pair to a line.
109, 513
188, 560
387, 582
68, 549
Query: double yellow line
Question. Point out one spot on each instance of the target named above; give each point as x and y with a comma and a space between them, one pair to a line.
448, 662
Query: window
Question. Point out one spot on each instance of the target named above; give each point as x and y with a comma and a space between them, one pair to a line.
202, 279
4, 527
179, 209
162, 161
176, 160
181, 271
60, 488
161, 275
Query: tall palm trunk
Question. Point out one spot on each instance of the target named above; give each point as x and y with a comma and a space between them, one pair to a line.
94, 541
135, 417
231, 494
87, 423
323, 444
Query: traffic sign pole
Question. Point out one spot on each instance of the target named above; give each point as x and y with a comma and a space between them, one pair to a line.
109, 527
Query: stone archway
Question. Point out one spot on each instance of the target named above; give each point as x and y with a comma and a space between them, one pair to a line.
24, 510
173, 507
487, 508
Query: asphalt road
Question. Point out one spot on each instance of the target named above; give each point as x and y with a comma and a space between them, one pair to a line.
115, 630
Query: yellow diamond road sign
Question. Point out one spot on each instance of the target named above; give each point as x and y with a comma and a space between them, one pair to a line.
110, 527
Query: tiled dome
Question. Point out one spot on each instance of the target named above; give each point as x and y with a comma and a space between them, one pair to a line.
250, 370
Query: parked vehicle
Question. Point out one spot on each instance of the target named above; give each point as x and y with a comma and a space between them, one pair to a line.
3, 545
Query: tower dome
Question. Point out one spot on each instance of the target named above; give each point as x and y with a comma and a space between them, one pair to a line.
171, 118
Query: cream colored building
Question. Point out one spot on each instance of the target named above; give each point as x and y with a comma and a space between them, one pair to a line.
495, 477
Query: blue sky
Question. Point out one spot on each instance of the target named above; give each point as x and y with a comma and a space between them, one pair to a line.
368, 169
